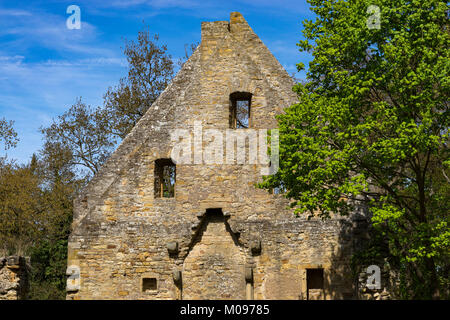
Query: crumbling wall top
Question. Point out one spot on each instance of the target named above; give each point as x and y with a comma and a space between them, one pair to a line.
220, 29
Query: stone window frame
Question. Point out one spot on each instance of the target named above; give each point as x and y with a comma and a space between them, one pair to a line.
323, 288
150, 276
326, 280
234, 98
159, 177
308, 280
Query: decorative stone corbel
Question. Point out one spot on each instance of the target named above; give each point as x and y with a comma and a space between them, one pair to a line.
73, 281
176, 276
255, 247
172, 247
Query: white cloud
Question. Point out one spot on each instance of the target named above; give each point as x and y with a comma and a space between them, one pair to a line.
42, 29
121, 62
158, 4
33, 93
14, 12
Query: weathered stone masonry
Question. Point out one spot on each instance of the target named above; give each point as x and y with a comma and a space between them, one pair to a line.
14, 272
219, 237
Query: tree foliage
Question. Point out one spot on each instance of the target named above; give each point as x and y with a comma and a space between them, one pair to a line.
35, 217
7, 133
150, 71
83, 133
89, 135
371, 127
21, 212
49, 256
36, 200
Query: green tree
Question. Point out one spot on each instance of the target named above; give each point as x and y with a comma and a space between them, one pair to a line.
82, 132
77, 143
371, 127
35, 216
22, 216
90, 134
150, 70
49, 256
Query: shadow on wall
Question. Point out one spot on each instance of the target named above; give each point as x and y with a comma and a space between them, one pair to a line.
341, 278
374, 283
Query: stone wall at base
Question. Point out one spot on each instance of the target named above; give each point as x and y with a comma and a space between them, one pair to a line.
14, 272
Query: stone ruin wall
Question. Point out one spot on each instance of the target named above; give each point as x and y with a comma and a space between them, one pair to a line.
220, 237
14, 271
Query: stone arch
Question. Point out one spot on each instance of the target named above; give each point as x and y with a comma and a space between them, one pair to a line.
215, 265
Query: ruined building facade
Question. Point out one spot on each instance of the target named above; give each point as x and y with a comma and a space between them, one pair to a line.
150, 227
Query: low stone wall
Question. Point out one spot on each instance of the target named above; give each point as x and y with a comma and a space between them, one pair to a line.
13, 277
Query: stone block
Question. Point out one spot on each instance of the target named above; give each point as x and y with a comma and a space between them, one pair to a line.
172, 247
176, 275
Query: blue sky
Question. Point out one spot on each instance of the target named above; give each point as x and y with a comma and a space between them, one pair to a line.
44, 66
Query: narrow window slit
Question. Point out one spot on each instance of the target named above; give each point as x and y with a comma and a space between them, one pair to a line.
240, 110
165, 177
